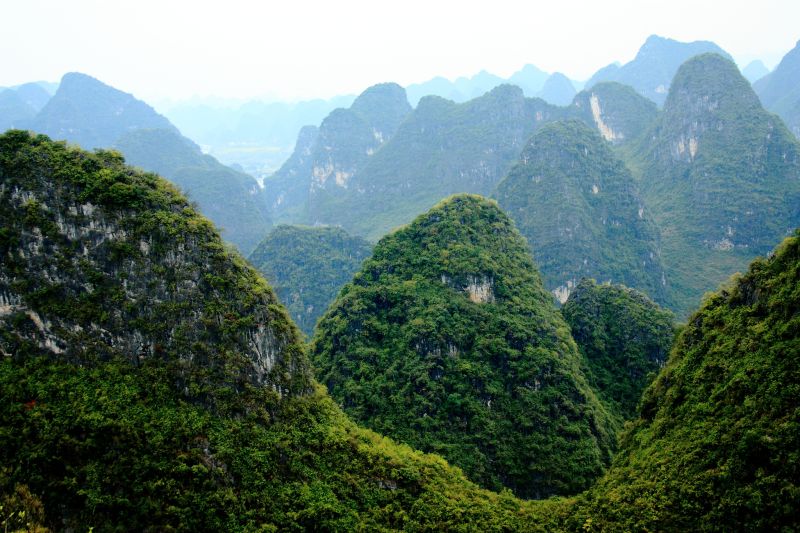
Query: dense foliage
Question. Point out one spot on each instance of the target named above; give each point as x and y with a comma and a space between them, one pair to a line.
654, 66
99, 433
307, 266
117, 448
717, 444
624, 337
579, 208
446, 340
719, 175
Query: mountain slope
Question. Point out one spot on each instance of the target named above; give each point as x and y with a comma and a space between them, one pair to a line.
345, 141
307, 266
232, 199
446, 340
14, 110
442, 148
151, 381
779, 91
557, 90
287, 189
580, 210
755, 70
94, 115
624, 337
720, 176
618, 112
109, 263
716, 445
657, 61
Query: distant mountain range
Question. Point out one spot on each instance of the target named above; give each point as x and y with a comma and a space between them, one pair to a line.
657, 61
94, 115
554, 88
779, 91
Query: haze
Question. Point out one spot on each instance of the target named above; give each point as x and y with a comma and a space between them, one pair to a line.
296, 50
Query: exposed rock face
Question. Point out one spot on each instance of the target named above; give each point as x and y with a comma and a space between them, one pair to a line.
325, 161
100, 261
442, 148
618, 112
287, 190
720, 174
580, 209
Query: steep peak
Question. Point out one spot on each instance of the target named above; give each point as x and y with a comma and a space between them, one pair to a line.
707, 82
380, 96
383, 107
504, 92
433, 103
86, 111
453, 304
656, 45
78, 85
755, 70
557, 89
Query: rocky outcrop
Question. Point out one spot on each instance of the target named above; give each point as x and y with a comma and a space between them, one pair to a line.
100, 262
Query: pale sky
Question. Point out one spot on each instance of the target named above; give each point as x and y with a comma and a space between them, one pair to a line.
293, 50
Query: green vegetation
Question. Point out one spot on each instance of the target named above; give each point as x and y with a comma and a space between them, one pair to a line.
307, 266
130, 392
719, 175
440, 148
94, 115
233, 200
579, 208
717, 445
102, 261
447, 341
117, 448
324, 162
150, 380
624, 337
